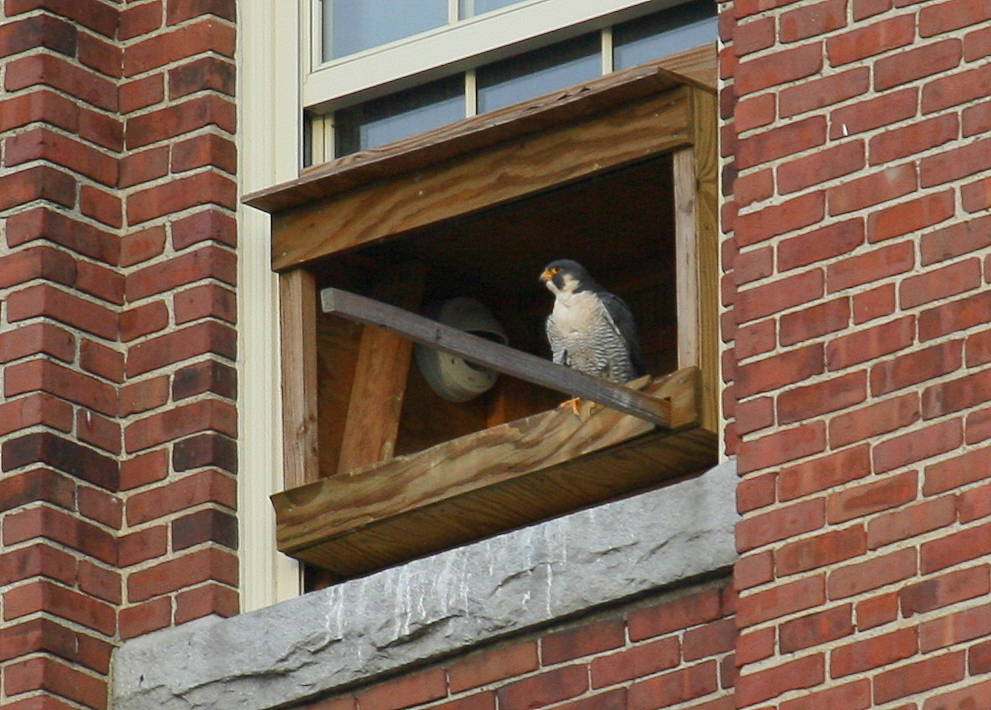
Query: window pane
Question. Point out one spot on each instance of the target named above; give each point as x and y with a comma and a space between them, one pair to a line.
538, 72
399, 115
677, 29
350, 26
470, 8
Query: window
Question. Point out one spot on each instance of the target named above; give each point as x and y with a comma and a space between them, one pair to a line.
383, 71
618, 172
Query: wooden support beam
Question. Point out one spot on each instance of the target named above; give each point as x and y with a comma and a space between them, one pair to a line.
500, 358
298, 308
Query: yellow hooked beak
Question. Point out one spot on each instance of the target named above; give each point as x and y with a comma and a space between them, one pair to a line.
547, 274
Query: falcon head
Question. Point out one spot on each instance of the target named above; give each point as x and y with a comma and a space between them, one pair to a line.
567, 276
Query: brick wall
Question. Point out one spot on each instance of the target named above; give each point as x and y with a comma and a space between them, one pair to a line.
675, 650
857, 266
116, 333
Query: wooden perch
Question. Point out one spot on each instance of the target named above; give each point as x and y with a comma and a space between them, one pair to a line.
500, 358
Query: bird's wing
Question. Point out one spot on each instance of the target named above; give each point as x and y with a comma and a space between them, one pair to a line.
558, 352
622, 319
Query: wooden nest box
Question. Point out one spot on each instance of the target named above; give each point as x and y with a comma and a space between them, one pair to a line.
619, 174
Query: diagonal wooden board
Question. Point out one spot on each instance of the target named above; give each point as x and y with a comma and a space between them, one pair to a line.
498, 357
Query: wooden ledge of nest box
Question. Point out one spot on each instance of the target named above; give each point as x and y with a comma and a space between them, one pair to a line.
548, 448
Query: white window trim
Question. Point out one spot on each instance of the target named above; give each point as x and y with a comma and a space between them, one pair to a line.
452, 48
269, 140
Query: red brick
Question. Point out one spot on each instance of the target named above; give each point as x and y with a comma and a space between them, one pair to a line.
59, 601
820, 244
37, 409
142, 93
753, 187
819, 474
774, 220
980, 658
811, 20
206, 225
36, 339
56, 72
102, 206
53, 378
182, 571
140, 246
872, 189
781, 140
915, 446
51, 302
887, 109
869, 343
50, 675
873, 304
801, 403
754, 414
958, 471
671, 688
911, 521
852, 696
207, 525
143, 320
669, 616
910, 216
52, 524
944, 590
952, 15
957, 315
142, 545
47, 145
817, 628
875, 652
542, 689
822, 166
973, 696
754, 112
916, 367
205, 150
144, 166
712, 639
179, 118
207, 300
582, 641
201, 74
493, 665
101, 360
201, 415
40, 560
755, 339
954, 164
755, 646
764, 685
39, 31
781, 599
873, 420
186, 41
144, 618
99, 582
877, 611
203, 263
781, 67
137, 20
636, 662
45, 224
775, 296
101, 282
182, 10
955, 395
780, 370
755, 492
914, 64
820, 550
192, 490
36, 183
968, 544
956, 89
819, 93
99, 431
976, 119
919, 677
47, 636
779, 524
873, 573
978, 426
896, 143
206, 600
208, 337
782, 447
144, 395
870, 40
180, 194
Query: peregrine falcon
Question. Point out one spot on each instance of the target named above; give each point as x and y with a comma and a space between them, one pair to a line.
590, 329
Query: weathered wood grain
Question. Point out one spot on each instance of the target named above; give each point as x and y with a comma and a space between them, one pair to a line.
298, 308
507, 475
